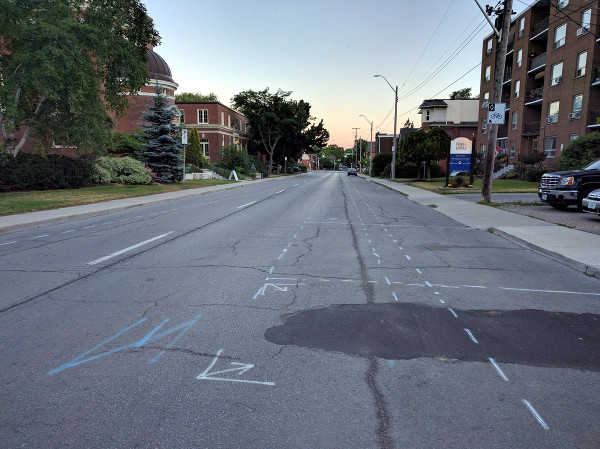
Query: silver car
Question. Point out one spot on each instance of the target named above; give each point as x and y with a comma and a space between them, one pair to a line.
591, 203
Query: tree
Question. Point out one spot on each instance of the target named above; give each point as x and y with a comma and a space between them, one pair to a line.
461, 94
580, 152
196, 97
65, 64
193, 152
412, 148
163, 152
437, 144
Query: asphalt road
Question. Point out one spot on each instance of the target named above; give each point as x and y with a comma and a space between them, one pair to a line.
317, 311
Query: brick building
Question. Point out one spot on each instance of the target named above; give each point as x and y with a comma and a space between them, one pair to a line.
551, 81
217, 125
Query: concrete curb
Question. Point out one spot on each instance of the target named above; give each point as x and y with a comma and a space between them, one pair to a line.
103, 208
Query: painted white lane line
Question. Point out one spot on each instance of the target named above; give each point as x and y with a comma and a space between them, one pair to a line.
372, 282
39, 236
295, 235
68, 232
88, 227
123, 251
471, 336
258, 292
453, 312
495, 365
139, 216
407, 256
396, 282
387, 281
442, 301
369, 241
247, 204
374, 250
280, 192
395, 241
347, 280
378, 261
428, 284
399, 247
8, 243
296, 185
376, 255
324, 280
285, 250
535, 414
473, 286
271, 270
108, 222
125, 219
548, 291
395, 297
419, 271
436, 293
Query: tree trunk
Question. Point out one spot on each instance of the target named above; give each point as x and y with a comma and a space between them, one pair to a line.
428, 172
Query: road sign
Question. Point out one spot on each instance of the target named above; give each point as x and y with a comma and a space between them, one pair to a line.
496, 113
184, 135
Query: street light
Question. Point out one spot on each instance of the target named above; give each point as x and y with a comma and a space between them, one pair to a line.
395, 143
370, 145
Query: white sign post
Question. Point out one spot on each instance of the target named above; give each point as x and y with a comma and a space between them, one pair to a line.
496, 113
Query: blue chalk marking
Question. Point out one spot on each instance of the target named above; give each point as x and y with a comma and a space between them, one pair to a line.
391, 363
149, 338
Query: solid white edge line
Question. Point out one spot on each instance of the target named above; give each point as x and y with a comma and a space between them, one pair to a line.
453, 312
39, 236
535, 414
548, 291
247, 204
495, 365
118, 253
395, 297
8, 243
279, 191
471, 336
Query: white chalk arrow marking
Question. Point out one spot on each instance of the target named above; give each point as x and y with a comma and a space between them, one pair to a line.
241, 369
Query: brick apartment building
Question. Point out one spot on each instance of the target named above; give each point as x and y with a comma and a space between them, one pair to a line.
551, 80
217, 125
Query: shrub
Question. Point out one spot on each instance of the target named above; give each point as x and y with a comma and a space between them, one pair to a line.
580, 152
380, 162
126, 145
121, 170
35, 172
535, 174
407, 170
459, 182
437, 171
303, 168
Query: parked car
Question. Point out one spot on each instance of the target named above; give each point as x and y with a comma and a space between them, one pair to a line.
352, 172
565, 188
591, 203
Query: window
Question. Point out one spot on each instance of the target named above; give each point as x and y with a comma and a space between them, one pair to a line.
572, 137
581, 62
517, 88
559, 35
556, 74
515, 116
553, 108
223, 122
486, 100
482, 149
223, 141
512, 149
586, 19
483, 125
519, 58
229, 120
521, 26
561, 4
550, 147
488, 49
181, 116
204, 147
426, 115
164, 91
577, 102
488, 73
202, 115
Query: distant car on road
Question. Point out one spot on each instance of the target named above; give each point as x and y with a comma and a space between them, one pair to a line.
352, 171
591, 203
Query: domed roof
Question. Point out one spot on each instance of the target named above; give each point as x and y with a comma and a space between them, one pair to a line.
157, 67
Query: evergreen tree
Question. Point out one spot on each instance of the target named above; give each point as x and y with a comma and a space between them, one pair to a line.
163, 152
193, 152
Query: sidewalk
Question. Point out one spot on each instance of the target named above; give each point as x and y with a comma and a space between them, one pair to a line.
36, 219
578, 249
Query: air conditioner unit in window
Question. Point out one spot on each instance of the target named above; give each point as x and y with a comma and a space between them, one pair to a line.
552, 119
575, 115
557, 80
580, 72
583, 30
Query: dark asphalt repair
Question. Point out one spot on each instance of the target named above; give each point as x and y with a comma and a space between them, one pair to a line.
407, 331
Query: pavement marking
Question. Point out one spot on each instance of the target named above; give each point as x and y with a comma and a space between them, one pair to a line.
296, 185
289, 244
139, 216
241, 369
374, 250
258, 292
418, 285
400, 247
280, 192
442, 301
387, 281
495, 365
118, 253
396, 282
295, 235
471, 336
428, 284
324, 280
535, 414
90, 226
8, 243
407, 256
453, 312
369, 241
125, 219
271, 270
347, 280
378, 261
436, 293
69, 231
281, 256
473, 286
247, 204
39, 236
376, 255
548, 291
108, 222
419, 271
285, 250
282, 279
386, 230
395, 297
372, 282
302, 227
395, 241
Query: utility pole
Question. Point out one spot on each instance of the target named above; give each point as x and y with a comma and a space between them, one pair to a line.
492, 131
355, 143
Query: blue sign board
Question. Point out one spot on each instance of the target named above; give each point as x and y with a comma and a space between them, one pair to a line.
460, 162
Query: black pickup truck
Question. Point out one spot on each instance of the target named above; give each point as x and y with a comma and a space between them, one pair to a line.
565, 188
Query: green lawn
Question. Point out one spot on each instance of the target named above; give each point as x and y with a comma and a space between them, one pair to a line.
21, 202
498, 186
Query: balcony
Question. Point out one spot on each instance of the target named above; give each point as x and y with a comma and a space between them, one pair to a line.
531, 129
534, 96
502, 132
540, 30
594, 119
507, 75
537, 63
596, 76
511, 45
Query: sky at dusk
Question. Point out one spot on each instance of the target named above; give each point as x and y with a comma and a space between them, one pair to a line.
326, 52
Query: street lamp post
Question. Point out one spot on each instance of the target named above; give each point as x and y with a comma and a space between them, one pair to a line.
370, 145
395, 144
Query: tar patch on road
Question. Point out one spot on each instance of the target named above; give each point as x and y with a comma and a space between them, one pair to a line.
407, 331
